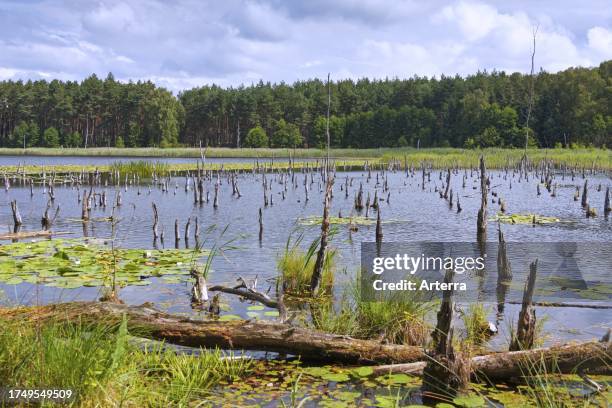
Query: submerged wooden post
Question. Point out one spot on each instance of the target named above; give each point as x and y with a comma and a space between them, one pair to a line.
317, 273
585, 198
481, 223
607, 207
525, 331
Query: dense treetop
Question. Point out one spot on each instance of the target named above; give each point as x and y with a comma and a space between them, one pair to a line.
485, 109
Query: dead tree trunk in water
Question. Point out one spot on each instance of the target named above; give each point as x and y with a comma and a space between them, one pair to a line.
446, 372
504, 273
525, 331
16, 216
585, 199
155, 222
607, 207
317, 273
379, 233
481, 223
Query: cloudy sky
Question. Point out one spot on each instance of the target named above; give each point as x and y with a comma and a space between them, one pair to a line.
184, 43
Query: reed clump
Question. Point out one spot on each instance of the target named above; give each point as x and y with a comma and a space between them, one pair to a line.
296, 267
398, 318
104, 366
140, 168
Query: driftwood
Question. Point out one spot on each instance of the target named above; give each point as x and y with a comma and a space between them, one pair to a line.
238, 334
569, 358
247, 293
32, 234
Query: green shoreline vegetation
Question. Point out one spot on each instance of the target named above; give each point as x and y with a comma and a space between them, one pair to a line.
496, 158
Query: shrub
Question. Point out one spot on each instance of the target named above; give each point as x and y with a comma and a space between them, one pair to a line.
256, 138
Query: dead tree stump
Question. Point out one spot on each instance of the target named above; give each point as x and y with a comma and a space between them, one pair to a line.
481, 223
317, 273
446, 371
525, 331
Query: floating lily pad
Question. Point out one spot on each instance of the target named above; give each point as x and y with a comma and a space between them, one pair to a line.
272, 313
229, 317
70, 264
363, 371
469, 401
524, 219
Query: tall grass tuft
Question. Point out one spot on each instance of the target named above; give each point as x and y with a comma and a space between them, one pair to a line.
104, 368
476, 324
141, 168
397, 318
296, 267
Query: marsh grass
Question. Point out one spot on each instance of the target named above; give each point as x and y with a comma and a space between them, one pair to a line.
398, 318
104, 368
296, 266
140, 168
497, 158
438, 157
546, 387
476, 324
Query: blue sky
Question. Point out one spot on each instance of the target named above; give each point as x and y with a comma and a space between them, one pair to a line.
185, 43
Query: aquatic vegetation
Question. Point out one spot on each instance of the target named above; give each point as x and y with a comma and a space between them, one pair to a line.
296, 266
71, 264
498, 158
315, 220
397, 318
476, 324
349, 220
104, 367
524, 219
141, 168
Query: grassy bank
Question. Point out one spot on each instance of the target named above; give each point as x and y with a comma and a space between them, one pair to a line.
217, 152
437, 157
103, 367
500, 158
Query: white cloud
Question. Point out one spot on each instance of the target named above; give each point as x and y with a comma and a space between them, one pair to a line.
185, 43
600, 40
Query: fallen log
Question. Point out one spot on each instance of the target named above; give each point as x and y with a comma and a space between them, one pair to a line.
238, 334
569, 358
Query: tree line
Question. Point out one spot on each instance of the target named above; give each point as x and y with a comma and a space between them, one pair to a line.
571, 107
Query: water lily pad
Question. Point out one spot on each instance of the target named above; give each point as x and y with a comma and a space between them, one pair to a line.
469, 401
363, 371
336, 377
524, 219
229, 317
272, 313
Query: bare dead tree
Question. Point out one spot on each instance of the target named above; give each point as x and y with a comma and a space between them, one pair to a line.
531, 90
317, 273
